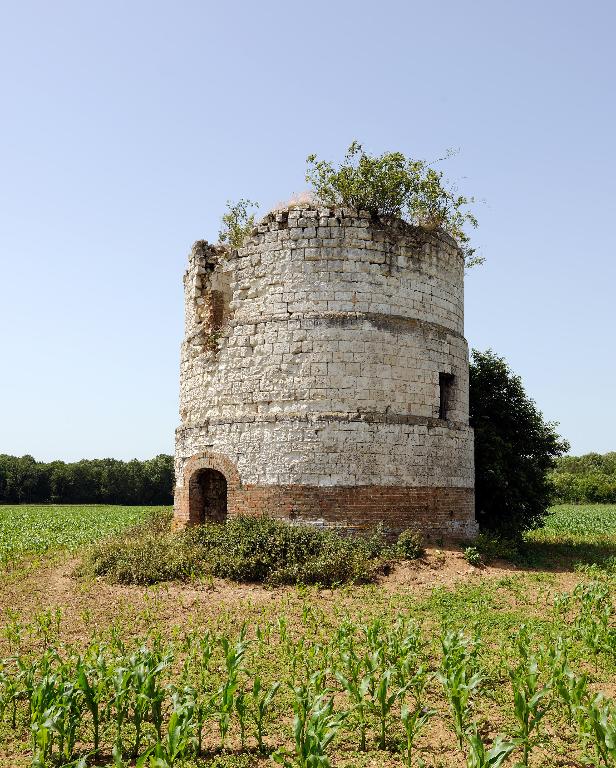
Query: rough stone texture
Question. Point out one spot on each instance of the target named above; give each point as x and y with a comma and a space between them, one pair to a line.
310, 375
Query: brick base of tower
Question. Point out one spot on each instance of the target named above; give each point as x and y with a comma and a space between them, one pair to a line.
441, 513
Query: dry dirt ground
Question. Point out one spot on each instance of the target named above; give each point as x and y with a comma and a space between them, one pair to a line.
87, 603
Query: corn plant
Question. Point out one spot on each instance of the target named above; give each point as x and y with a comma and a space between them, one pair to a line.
568, 688
13, 631
152, 690
92, 680
45, 714
385, 697
415, 717
47, 625
314, 727
70, 706
356, 681
27, 675
459, 678
9, 693
531, 703
200, 650
260, 702
179, 739
601, 727
481, 757
592, 622
225, 698
121, 691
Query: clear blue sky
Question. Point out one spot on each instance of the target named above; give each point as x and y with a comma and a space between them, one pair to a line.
127, 125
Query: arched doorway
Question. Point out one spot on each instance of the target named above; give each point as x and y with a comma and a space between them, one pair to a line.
207, 497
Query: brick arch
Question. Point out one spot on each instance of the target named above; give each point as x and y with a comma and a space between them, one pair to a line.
206, 460
211, 460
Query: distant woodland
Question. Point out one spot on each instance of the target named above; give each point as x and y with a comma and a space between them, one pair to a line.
89, 481
590, 478
576, 479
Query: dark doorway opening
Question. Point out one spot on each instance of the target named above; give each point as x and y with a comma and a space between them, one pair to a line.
207, 497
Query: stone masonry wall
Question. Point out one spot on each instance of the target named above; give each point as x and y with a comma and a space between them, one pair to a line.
310, 370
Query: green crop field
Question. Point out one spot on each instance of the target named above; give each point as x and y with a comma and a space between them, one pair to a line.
581, 521
36, 529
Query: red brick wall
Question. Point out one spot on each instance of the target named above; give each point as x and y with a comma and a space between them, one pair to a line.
439, 512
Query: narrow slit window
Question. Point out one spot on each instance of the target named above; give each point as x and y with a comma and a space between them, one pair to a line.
216, 307
445, 384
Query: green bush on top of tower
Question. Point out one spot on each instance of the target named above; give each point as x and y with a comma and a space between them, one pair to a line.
392, 185
237, 223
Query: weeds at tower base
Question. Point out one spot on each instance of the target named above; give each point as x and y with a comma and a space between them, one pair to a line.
248, 549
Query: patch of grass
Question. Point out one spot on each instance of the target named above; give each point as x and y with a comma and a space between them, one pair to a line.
40, 528
248, 549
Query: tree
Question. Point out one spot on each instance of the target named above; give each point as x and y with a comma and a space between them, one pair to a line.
515, 448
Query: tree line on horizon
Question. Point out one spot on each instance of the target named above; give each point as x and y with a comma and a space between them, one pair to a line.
24, 480
590, 478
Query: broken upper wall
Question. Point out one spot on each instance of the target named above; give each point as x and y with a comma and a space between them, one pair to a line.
207, 296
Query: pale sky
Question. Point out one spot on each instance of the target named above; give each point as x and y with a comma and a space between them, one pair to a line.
126, 126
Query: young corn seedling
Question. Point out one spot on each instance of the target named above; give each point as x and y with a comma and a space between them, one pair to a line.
481, 757
9, 695
179, 739
601, 727
196, 668
387, 694
531, 703
357, 684
45, 714
459, 679
47, 625
28, 676
415, 716
152, 691
225, 698
70, 714
403, 645
92, 680
121, 682
13, 631
314, 727
592, 622
568, 688
261, 701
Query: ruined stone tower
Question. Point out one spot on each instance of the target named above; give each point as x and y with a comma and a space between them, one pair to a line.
324, 377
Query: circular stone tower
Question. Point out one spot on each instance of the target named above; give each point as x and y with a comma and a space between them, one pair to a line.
324, 377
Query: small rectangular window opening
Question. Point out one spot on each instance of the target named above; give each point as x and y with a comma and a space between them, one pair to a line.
445, 383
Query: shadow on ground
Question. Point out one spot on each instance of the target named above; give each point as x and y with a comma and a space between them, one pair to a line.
567, 555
